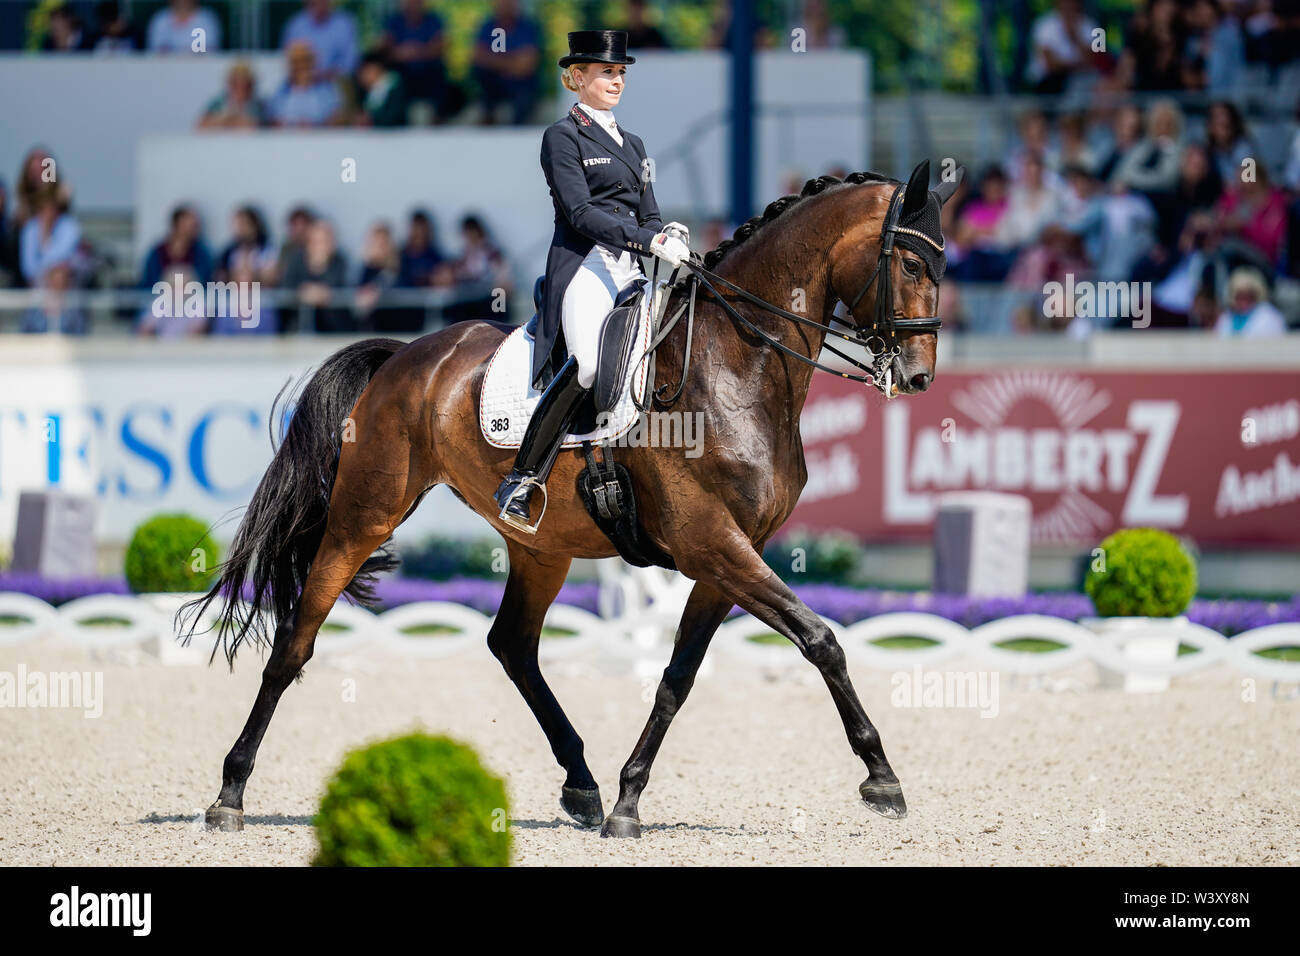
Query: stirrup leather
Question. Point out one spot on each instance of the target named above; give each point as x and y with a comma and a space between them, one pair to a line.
528, 481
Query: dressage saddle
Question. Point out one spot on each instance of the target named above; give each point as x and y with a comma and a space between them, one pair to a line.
617, 341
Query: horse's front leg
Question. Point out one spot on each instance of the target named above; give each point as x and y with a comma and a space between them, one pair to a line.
705, 610
738, 573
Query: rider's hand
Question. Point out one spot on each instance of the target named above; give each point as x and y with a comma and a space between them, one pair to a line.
680, 230
670, 249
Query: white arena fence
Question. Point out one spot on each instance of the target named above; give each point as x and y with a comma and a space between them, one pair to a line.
449, 629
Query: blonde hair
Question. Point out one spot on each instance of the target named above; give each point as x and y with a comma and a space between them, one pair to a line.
567, 79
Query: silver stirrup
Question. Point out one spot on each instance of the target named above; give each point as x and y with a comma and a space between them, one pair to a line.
514, 522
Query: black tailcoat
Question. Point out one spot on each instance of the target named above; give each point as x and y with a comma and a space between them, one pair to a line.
602, 194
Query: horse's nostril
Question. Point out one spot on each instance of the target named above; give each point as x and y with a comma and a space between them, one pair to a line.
920, 382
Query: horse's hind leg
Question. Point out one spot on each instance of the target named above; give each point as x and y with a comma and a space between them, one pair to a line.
705, 610
352, 534
535, 579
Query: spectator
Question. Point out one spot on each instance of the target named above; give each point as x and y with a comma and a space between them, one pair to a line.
37, 173
67, 33
184, 27
314, 277
1151, 166
54, 312
305, 100
505, 62
239, 107
384, 102
420, 255
1230, 146
1062, 47
295, 240
1075, 149
113, 32
720, 33
181, 250
1249, 314
1031, 206
1255, 211
1153, 57
415, 41
641, 34
249, 251
1188, 292
164, 323
379, 273
331, 34
1216, 50
1291, 174
1118, 228
1127, 128
50, 239
1035, 141
8, 241
1198, 187
985, 259
476, 274
246, 269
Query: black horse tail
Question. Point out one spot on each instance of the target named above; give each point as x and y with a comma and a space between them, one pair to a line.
264, 573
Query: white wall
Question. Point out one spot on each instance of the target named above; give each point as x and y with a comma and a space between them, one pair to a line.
91, 111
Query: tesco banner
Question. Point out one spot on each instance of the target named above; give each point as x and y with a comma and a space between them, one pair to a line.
159, 427
1211, 455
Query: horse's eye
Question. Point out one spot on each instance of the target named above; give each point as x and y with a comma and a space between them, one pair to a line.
912, 267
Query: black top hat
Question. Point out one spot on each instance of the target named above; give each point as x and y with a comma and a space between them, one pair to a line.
597, 46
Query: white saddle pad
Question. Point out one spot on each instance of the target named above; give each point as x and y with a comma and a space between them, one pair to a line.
508, 400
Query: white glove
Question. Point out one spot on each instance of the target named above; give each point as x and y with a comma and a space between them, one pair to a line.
670, 249
682, 232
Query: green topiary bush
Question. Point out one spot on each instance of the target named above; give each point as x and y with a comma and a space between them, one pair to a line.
413, 801
171, 552
832, 557
1141, 572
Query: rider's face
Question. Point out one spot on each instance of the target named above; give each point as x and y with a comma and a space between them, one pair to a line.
601, 84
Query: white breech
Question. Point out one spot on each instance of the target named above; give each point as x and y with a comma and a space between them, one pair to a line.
588, 298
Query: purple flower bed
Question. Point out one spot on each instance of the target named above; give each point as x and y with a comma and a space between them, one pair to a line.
58, 592
843, 604
482, 595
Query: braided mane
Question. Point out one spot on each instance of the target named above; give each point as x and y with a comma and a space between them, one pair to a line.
775, 208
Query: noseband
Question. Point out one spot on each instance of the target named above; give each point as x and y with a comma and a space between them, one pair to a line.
884, 331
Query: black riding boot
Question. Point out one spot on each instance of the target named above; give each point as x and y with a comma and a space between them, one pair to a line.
540, 447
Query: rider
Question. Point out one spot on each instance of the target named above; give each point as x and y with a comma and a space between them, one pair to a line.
605, 218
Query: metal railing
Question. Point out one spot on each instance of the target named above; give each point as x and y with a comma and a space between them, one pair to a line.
120, 312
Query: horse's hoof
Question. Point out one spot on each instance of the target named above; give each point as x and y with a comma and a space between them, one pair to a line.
225, 819
583, 805
884, 798
621, 827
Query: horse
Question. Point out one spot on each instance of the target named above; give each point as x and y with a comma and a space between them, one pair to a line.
381, 422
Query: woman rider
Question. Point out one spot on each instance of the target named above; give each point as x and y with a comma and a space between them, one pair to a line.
605, 219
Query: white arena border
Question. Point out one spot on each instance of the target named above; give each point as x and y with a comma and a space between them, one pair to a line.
149, 623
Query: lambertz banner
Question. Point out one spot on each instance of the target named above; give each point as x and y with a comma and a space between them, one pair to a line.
1211, 455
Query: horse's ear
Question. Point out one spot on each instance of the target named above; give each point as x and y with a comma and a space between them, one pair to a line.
943, 192
918, 188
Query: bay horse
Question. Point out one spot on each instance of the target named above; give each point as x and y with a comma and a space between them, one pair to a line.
381, 422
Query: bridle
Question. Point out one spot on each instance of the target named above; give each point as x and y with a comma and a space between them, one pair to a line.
885, 330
